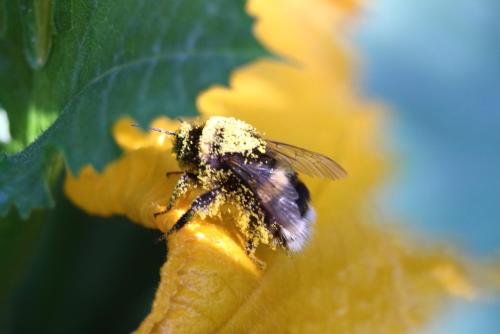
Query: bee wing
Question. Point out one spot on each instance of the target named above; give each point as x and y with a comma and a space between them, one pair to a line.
277, 194
305, 161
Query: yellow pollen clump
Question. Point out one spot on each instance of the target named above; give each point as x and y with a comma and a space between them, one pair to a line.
231, 136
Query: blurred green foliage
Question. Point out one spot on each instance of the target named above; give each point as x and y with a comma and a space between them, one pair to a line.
66, 272
68, 71
88, 63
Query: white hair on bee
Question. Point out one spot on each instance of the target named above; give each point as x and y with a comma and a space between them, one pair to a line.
296, 241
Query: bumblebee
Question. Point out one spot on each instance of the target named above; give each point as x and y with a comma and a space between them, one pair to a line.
230, 162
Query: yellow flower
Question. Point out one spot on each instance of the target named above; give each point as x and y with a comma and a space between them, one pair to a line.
353, 276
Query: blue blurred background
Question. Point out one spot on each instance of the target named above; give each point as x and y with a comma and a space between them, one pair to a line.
436, 63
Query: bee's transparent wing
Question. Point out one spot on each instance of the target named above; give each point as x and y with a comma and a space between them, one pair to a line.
279, 199
305, 161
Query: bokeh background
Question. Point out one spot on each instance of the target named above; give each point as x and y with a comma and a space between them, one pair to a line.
437, 65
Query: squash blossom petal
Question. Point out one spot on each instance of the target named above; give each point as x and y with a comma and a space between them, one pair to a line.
353, 276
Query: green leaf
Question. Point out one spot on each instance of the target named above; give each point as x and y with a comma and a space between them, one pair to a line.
67, 272
16, 77
106, 59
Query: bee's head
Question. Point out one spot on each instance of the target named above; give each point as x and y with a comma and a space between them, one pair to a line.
186, 140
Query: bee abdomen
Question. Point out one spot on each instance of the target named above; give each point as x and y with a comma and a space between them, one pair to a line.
304, 197
295, 234
283, 197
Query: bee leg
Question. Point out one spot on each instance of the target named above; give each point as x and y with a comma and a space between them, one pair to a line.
253, 239
201, 203
250, 250
253, 242
180, 189
169, 174
159, 213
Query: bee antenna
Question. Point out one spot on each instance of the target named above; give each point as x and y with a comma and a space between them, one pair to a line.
168, 132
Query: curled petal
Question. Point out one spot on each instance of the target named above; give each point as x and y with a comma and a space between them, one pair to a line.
350, 270
203, 284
